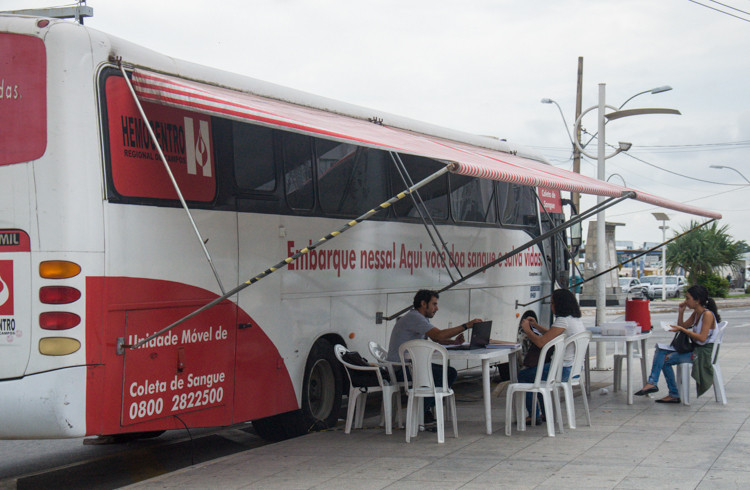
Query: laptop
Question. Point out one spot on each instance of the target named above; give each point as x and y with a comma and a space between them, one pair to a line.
480, 336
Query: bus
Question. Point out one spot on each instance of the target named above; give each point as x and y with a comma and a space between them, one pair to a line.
136, 189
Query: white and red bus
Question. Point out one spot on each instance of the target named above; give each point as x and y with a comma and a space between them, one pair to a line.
97, 252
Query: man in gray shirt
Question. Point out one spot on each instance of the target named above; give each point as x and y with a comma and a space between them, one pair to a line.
416, 325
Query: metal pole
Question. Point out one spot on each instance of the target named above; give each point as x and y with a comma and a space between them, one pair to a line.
121, 346
601, 246
663, 261
171, 177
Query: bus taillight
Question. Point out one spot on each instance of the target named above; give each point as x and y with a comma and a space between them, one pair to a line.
58, 346
58, 320
58, 295
58, 269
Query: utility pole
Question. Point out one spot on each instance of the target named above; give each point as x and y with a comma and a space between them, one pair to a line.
577, 135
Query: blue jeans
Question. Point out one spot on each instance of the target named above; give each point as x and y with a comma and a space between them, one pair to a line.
528, 375
664, 364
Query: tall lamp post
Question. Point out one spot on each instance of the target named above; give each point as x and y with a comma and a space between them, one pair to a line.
663, 217
601, 157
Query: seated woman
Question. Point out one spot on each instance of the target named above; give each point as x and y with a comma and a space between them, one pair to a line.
699, 327
567, 322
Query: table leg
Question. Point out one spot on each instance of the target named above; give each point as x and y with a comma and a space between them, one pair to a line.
487, 394
629, 348
644, 363
587, 366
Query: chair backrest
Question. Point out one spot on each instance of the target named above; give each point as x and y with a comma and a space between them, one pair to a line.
377, 351
580, 343
555, 364
418, 356
381, 356
718, 338
339, 351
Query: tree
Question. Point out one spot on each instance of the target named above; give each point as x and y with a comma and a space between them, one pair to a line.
701, 251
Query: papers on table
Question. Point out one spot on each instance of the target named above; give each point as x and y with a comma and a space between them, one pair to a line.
503, 346
665, 347
666, 326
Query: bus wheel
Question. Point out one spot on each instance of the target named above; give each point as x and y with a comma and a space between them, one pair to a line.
322, 387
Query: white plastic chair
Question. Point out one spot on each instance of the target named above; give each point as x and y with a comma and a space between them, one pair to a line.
355, 411
416, 362
393, 389
684, 370
580, 341
517, 391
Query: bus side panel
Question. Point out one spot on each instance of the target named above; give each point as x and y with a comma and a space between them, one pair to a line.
188, 372
262, 383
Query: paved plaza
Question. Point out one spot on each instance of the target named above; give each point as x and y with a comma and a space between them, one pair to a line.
645, 445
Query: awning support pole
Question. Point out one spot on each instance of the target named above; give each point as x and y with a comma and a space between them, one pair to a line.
171, 177
620, 263
407, 182
122, 346
604, 205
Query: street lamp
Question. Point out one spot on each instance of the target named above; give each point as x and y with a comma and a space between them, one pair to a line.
601, 156
663, 218
731, 168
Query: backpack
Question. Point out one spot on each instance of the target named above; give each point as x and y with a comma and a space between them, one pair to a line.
362, 379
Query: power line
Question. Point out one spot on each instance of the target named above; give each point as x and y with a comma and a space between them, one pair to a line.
719, 10
730, 7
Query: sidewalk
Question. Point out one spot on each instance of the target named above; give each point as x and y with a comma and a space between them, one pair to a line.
646, 445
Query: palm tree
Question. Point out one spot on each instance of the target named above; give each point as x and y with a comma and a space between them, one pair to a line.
702, 250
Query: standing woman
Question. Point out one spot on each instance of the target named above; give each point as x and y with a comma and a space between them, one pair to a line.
700, 327
567, 322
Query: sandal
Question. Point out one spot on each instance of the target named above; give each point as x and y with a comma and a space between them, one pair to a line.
668, 399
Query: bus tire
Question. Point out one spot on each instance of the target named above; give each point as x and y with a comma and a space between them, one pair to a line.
322, 387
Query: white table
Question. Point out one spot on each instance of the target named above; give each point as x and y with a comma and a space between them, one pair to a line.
488, 356
629, 340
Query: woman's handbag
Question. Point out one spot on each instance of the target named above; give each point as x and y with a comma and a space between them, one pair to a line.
682, 343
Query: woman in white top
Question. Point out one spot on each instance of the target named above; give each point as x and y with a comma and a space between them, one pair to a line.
567, 322
699, 327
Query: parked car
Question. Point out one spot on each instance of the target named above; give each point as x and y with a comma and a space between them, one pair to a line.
652, 286
631, 286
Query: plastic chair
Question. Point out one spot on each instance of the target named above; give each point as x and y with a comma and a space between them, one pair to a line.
394, 387
516, 391
684, 370
355, 411
417, 355
580, 342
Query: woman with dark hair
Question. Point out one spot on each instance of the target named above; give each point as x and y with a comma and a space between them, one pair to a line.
699, 327
567, 322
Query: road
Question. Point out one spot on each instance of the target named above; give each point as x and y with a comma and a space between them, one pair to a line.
68, 463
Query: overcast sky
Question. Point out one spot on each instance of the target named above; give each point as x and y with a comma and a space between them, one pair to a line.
482, 66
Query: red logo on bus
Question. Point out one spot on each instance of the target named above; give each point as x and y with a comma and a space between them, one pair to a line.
184, 138
6, 287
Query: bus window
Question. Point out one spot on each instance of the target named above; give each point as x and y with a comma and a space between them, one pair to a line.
472, 199
254, 169
517, 205
434, 194
298, 177
351, 180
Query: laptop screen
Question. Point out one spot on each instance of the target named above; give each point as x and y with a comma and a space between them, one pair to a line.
480, 334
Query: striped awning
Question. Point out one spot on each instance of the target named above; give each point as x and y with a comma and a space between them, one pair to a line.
471, 160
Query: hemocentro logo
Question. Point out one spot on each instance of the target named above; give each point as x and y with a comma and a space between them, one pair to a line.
197, 150
6, 287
